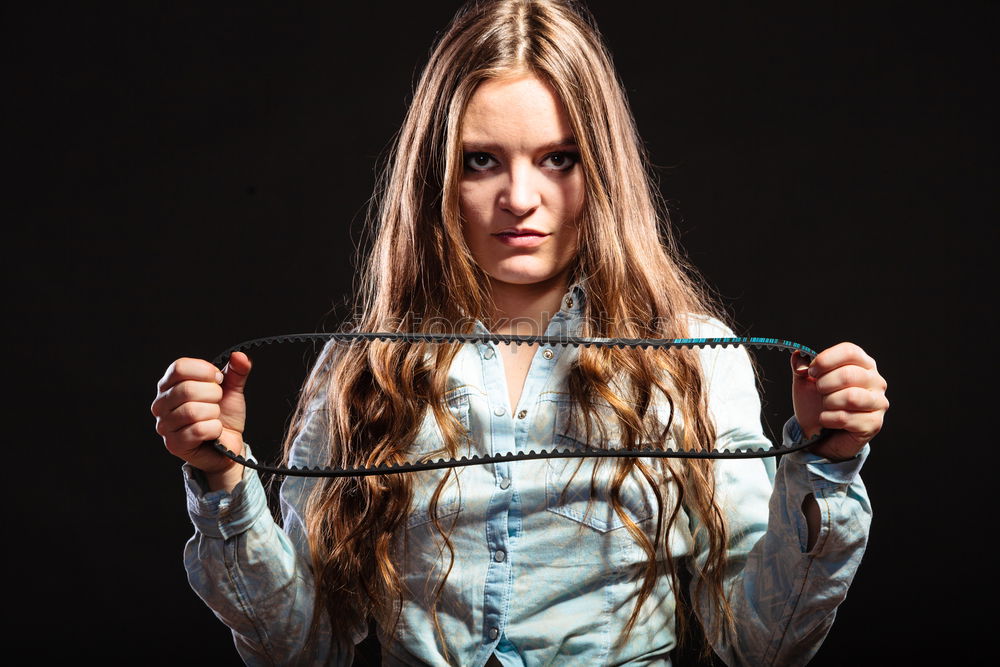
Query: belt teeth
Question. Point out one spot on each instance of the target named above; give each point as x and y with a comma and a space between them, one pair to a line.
573, 341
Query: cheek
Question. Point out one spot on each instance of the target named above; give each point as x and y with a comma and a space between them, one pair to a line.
574, 194
570, 194
473, 203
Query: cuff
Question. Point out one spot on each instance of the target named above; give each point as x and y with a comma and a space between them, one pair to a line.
224, 514
823, 472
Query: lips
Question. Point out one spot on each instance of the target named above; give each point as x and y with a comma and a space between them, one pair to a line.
523, 238
524, 231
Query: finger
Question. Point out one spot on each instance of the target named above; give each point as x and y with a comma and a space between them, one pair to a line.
236, 372
191, 437
186, 368
183, 392
848, 376
862, 424
185, 415
842, 354
855, 399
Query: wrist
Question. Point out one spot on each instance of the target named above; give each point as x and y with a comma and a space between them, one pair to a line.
224, 480
834, 449
226, 473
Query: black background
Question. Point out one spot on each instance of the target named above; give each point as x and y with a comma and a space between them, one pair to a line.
185, 176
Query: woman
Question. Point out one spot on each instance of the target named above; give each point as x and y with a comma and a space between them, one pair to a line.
518, 201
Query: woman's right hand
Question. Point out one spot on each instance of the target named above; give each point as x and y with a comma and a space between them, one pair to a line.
196, 402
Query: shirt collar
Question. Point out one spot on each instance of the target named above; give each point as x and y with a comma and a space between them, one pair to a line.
573, 299
566, 320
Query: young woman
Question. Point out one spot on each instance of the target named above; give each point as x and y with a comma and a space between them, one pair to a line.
518, 200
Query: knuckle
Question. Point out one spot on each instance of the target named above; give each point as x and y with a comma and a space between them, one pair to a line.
169, 376
190, 368
845, 347
181, 391
184, 412
858, 397
209, 430
856, 376
835, 419
196, 431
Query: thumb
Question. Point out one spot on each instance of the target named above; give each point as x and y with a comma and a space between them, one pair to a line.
800, 364
236, 372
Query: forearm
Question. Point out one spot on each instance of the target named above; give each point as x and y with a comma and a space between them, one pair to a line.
799, 572
246, 569
790, 568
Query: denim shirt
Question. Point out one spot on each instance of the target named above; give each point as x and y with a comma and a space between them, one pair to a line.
538, 579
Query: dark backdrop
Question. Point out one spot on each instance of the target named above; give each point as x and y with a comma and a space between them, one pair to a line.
184, 176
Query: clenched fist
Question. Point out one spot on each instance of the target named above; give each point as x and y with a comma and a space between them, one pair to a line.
195, 402
840, 390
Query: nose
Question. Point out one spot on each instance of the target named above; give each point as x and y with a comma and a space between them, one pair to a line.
521, 196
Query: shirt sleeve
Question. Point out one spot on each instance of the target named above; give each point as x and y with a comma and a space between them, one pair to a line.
783, 597
256, 576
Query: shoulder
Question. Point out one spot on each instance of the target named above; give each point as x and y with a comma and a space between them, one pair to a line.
718, 361
707, 326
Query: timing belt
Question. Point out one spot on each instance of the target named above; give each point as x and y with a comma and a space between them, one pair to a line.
573, 341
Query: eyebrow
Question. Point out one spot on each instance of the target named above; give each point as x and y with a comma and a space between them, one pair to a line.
474, 146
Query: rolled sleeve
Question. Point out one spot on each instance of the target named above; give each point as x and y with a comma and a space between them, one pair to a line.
224, 514
823, 473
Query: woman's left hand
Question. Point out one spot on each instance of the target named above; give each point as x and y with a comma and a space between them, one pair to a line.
840, 390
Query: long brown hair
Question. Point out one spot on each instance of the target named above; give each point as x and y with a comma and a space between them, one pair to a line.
420, 271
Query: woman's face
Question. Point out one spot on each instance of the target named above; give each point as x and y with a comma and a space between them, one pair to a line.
522, 189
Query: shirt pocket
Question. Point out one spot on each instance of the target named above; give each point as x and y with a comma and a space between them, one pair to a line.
448, 505
429, 444
568, 480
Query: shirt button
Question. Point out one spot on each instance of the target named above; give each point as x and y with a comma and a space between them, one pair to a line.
488, 354
522, 414
494, 633
499, 412
499, 555
505, 483
569, 303
548, 354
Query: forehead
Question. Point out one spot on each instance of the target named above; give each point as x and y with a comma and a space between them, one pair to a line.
521, 112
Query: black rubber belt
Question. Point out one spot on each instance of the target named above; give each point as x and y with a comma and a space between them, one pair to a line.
644, 343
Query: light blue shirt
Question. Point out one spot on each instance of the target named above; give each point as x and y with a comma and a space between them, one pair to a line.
537, 579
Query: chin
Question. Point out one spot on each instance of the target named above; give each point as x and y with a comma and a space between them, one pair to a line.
522, 277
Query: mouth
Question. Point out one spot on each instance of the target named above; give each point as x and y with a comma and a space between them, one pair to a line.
521, 238
518, 233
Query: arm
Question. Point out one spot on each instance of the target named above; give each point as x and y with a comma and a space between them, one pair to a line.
256, 577
784, 588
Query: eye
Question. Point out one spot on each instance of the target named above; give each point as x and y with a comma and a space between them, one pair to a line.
564, 161
477, 161
561, 161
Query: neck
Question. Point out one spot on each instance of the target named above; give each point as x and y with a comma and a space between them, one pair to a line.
525, 310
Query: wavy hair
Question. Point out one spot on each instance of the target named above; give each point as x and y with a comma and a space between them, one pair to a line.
419, 270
